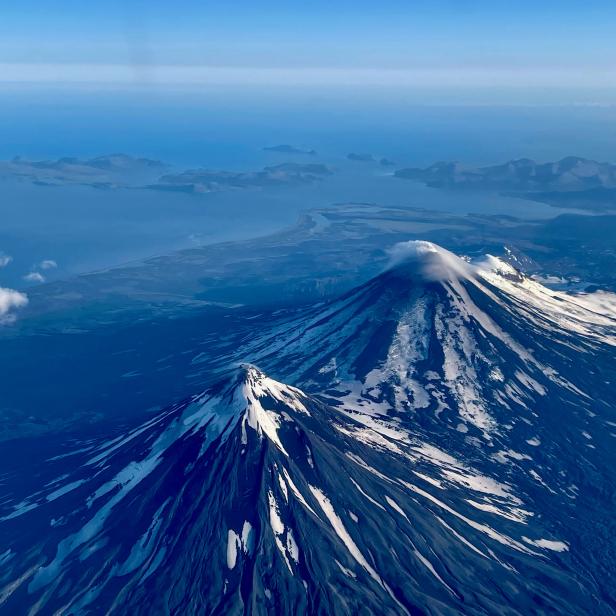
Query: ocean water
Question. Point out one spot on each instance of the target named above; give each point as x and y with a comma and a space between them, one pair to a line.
85, 229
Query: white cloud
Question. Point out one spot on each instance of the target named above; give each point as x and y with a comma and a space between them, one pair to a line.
4, 260
10, 300
34, 277
48, 264
428, 260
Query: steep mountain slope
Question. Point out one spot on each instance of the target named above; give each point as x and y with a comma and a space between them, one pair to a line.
483, 363
256, 498
450, 451
437, 343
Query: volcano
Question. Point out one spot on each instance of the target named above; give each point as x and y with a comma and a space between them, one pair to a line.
438, 440
435, 335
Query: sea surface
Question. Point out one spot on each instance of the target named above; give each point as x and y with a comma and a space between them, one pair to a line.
85, 229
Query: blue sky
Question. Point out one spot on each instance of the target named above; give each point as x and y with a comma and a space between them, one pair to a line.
520, 42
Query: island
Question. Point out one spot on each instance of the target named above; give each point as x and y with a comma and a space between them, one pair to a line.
206, 180
361, 158
107, 171
571, 182
289, 149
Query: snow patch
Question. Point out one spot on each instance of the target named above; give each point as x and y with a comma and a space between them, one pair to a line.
555, 546
233, 545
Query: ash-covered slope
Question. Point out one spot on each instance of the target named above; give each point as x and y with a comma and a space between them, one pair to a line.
255, 498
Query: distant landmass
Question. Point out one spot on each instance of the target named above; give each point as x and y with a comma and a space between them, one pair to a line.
101, 172
370, 158
361, 158
600, 199
570, 182
289, 149
205, 180
124, 171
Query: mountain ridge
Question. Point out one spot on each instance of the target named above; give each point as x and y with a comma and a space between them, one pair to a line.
568, 174
444, 447
292, 500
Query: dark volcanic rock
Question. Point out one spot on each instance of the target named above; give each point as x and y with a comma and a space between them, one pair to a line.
450, 451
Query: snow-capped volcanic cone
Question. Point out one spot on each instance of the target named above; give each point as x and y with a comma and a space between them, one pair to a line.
438, 342
255, 498
450, 449
479, 361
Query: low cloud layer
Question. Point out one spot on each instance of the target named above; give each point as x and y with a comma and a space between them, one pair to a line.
34, 277
427, 76
10, 301
428, 260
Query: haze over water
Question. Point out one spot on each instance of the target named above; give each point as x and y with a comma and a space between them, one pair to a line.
226, 129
